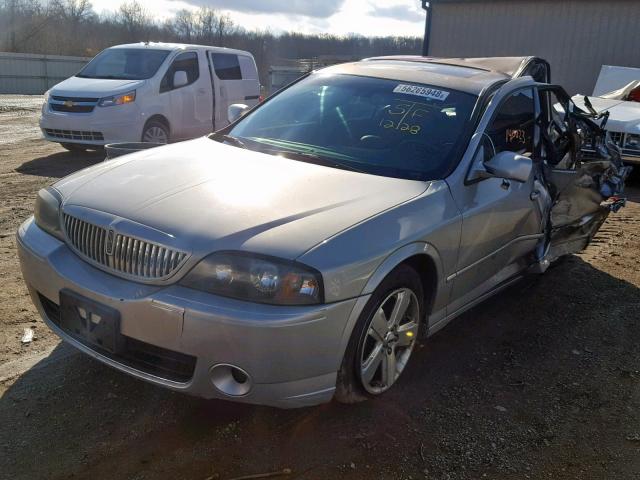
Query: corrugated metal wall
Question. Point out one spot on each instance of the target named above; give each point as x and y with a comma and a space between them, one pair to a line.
30, 74
576, 36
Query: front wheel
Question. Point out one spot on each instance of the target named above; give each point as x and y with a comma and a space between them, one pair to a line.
383, 338
155, 131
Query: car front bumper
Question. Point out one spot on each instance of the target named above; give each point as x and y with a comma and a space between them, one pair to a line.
102, 126
291, 354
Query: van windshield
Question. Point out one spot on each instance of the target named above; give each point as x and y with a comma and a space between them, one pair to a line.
373, 125
124, 64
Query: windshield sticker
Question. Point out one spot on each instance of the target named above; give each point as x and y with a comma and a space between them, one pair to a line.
405, 116
425, 92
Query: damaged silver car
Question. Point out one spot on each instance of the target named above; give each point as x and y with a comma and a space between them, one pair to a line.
297, 255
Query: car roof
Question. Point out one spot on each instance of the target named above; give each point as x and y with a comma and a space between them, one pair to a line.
180, 46
470, 75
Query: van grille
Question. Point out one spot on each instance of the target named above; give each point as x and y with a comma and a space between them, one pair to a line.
120, 253
72, 104
74, 134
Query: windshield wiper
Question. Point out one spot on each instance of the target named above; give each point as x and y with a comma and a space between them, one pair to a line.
318, 160
228, 138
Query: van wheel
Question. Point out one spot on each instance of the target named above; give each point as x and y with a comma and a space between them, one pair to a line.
155, 131
383, 339
74, 147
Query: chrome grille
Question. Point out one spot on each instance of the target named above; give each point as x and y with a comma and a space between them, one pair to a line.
617, 138
125, 255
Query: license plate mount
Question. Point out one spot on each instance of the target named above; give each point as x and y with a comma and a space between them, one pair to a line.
90, 322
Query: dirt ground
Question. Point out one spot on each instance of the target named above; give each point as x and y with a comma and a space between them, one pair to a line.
542, 381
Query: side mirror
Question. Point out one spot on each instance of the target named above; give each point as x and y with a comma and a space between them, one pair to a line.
180, 79
235, 111
510, 166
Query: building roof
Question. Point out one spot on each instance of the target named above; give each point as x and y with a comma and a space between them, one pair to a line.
471, 75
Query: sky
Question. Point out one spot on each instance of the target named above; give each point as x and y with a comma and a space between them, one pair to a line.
341, 17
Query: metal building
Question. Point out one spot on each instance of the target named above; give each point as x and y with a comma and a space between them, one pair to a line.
31, 74
577, 37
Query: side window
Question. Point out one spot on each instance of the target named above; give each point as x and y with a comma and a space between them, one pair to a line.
247, 68
227, 66
512, 127
187, 62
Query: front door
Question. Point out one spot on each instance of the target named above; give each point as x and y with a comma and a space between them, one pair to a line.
189, 111
502, 219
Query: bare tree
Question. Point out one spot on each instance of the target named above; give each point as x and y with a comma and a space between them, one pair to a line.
224, 27
185, 25
135, 19
207, 20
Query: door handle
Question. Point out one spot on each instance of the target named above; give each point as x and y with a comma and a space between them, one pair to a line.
201, 91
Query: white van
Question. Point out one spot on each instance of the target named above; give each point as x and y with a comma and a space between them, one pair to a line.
150, 92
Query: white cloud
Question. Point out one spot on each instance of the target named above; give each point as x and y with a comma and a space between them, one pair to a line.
341, 17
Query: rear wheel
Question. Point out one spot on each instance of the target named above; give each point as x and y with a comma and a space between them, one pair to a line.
383, 338
155, 131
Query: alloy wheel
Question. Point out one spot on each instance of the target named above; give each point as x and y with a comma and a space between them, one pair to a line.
155, 134
389, 340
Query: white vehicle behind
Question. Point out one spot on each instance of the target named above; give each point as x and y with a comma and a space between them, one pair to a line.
617, 91
151, 92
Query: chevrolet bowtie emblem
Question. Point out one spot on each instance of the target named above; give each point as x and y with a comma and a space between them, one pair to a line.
68, 103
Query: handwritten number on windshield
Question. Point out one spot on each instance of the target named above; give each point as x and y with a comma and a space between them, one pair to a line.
404, 115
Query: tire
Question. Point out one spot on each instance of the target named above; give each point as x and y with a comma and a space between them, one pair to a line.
155, 131
359, 378
74, 147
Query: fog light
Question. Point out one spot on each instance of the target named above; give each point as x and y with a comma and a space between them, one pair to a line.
230, 380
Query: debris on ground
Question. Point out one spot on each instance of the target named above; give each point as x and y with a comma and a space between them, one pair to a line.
284, 471
27, 336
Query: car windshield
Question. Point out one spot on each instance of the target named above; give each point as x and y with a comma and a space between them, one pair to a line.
383, 127
124, 64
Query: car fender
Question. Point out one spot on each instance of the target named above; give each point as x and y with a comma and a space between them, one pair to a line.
391, 262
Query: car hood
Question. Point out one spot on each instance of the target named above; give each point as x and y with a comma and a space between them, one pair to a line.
94, 87
624, 116
210, 196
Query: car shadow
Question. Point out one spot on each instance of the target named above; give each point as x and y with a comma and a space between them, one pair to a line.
61, 164
516, 384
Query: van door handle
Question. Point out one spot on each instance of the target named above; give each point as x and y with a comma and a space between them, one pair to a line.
201, 91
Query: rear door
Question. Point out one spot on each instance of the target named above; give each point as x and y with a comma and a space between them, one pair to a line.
235, 81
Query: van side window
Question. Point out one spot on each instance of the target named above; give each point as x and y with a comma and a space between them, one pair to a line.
248, 68
513, 125
187, 62
227, 66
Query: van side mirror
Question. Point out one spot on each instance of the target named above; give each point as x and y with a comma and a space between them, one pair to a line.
235, 111
510, 166
180, 79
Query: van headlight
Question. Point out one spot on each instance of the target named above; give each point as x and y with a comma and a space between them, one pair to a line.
256, 278
47, 211
128, 97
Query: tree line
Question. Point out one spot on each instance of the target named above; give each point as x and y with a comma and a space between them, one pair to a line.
72, 27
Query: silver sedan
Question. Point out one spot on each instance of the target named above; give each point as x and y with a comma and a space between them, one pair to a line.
298, 254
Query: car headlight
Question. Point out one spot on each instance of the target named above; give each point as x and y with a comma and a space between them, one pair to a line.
47, 211
128, 97
632, 142
256, 278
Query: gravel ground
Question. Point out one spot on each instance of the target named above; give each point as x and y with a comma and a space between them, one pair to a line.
541, 381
